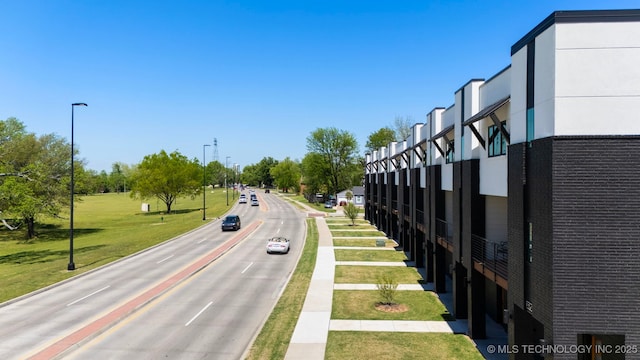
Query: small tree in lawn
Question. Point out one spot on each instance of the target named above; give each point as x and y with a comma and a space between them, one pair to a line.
387, 288
351, 211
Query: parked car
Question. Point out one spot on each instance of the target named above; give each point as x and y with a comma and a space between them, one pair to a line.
242, 199
278, 244
328, 204
231, 222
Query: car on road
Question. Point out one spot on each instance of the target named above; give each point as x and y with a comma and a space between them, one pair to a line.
278, 244
242, 199
231, 222
254, 202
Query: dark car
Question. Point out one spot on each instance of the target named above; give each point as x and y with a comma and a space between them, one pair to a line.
231, 222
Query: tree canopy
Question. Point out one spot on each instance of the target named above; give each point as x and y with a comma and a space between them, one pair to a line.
380, 139
166, 177
334, 158
34, 175
286, 174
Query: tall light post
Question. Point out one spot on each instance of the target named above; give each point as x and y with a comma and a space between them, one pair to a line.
204, 183
233, 169
72, 265
226, 188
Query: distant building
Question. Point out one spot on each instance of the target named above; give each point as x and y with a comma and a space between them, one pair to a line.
357, 199
522, 199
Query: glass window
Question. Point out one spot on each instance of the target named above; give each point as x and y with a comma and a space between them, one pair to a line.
449, 157
497, 142
530, 125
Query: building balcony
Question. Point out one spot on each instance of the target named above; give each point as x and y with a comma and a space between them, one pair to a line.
491, 259
443, 237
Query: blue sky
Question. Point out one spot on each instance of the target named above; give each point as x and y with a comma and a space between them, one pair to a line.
257, 76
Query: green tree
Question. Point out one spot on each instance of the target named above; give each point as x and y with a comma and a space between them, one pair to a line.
380, 138
166, 177
338, 157
314, 173
34, 174
286, 174
119, 180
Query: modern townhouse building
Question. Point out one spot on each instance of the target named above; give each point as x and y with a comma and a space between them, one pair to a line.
522, 198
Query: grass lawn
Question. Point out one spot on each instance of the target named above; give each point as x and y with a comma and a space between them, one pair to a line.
348, 274
362, 242
348, 226
369, 255
401, 346
360, 305
107, 227
363, 233
273, 340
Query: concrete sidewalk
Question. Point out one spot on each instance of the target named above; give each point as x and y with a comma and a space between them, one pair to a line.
311, 332
310, 335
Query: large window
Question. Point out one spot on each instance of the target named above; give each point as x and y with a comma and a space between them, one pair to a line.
497, 142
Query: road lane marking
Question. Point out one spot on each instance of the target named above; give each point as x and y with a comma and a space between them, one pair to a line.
138, 303
198, 314
201, 241
247, 268
165, 259
93, 293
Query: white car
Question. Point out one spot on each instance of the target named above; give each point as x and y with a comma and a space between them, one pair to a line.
278, 244
242, 199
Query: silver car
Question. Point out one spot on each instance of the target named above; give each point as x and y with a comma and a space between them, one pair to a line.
278, 244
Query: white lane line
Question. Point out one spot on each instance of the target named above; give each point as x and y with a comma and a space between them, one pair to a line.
198, 314
93, 293
165, 259
201, 241
247, 268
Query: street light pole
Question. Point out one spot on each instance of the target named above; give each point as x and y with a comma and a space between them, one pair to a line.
226, 188
72, 266
233, 170
204, 183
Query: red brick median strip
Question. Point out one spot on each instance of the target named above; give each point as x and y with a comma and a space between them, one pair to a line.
116, 315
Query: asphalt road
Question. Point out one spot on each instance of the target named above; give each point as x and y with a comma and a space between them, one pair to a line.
204, 294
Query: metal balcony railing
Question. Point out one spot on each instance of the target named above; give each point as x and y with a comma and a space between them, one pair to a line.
420, 216
492, 255
442, 231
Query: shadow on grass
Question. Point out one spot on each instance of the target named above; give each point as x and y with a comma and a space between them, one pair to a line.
42, 256
44, 233
55, 233
173, 212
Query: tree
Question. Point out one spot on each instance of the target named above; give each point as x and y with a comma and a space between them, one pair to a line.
286, 174
338, 152
119, 176
166, 177
380, 138
34, 174
314, 171
402, 127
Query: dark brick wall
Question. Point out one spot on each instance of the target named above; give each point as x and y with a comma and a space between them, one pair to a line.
515, 223
538, 202
596, 222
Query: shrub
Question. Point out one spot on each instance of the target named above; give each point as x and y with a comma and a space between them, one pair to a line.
387, 288
351, 211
